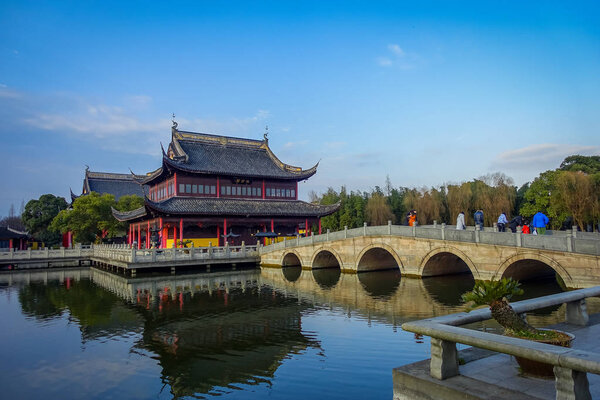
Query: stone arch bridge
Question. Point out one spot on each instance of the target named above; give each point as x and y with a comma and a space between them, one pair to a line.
440, 250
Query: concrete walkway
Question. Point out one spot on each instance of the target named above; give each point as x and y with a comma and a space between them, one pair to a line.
489, 375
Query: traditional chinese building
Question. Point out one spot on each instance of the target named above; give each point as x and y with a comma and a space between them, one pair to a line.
217, 189
118, 185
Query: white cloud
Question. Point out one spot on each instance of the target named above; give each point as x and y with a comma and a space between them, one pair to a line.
291, 145
394, 48
384, 61
398, 57
540, 157
127, 127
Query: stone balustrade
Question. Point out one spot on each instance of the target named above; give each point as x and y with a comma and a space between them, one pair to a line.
567, 241
570, 365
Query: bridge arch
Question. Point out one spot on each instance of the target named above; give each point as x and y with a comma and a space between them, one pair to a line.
326, 257
291, 258
455, 255
532, 266
378, 256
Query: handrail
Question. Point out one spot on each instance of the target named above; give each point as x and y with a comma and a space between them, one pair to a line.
569, 241
445, 332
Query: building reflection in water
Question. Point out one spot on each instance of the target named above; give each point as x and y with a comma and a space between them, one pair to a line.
211, 332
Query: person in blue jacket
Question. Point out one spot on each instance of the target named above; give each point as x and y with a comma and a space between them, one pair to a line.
539, 222
502, 221
479, 218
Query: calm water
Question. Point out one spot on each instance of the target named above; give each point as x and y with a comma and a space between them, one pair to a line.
283, 334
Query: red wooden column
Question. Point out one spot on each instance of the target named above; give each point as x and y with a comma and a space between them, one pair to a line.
225, 231
263, 189
139, 236
175, 189
181, 230
218, 187
319, 226
148, 235
10, 244
129, 236
161, 245
218, 235
296, 190
175, 235
272, 225
306, 227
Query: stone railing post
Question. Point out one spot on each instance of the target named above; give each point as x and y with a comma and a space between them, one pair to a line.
519, 236
312, 239
574, 230
443, 231
569, 241
29, 253
327, 235
444, 359
192, 251
571, 384
243, 249
11, 252
345, 231
576, 313
477, 233
495, 227
227, 250
133, 254
153, 255
389, 227
414, 229
210, 249
364, 229
434, 223
62, 251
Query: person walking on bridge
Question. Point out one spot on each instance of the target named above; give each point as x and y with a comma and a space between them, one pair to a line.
502, 221
479, 219
539, 223
460, 221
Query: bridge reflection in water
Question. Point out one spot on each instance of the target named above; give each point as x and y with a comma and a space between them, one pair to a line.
212, 332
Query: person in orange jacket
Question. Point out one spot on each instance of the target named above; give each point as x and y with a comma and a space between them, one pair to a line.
412, 219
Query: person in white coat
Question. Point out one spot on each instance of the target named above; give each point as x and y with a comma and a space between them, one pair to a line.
460, 221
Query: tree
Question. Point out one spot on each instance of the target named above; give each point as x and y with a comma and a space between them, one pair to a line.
90, 219
576, 194
38, 215
378, 211
587, 164
542, 196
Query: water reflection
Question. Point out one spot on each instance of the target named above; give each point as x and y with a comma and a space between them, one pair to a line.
380, 284
214, 333
292, 273
448, 289
327, 277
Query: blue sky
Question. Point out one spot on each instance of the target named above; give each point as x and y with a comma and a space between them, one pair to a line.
425, 92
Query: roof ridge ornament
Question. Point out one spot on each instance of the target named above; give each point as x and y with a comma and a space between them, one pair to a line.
174, 127
266, 134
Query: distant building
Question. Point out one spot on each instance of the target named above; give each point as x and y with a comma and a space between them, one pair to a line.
118, 185
12, 239
217, 189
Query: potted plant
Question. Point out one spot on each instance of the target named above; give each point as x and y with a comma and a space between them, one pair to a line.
496, 294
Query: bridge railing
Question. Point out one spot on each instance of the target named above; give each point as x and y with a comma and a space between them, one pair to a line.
569, 241
131, 255
570, 365
46, 253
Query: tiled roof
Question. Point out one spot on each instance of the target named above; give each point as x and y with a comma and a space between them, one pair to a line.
210, 206
129, 215
118, 185
9, 233
212, 154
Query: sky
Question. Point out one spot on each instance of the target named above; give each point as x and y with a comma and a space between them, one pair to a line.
424, 92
